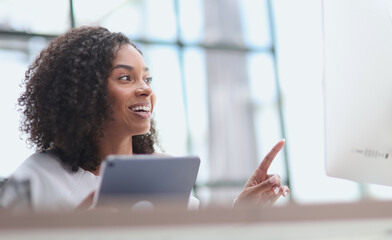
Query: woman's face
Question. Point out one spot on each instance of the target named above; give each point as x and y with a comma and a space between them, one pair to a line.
130, 93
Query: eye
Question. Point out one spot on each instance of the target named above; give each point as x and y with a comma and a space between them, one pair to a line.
126, 78
148, 80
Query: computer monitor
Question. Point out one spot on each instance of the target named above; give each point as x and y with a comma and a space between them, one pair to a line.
358, 89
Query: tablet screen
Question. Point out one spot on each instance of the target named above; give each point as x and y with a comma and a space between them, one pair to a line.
147, 178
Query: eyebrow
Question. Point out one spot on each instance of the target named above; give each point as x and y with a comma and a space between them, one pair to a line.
128, 67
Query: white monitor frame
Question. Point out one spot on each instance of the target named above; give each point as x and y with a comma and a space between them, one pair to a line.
358, 89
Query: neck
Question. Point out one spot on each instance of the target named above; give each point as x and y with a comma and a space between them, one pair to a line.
110, 144
114, 144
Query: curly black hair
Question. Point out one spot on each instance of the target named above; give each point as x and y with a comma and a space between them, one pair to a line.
66, 101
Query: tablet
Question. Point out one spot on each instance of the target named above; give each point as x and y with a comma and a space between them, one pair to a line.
151, 178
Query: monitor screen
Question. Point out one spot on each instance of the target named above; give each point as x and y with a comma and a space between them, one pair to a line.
358, 89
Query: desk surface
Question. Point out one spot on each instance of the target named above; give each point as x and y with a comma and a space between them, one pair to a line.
365, 220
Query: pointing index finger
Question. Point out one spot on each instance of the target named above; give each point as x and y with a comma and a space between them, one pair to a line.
266, 163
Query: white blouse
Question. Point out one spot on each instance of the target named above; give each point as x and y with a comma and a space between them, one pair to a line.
44, 184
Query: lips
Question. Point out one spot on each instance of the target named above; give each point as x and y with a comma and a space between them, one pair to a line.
142, 110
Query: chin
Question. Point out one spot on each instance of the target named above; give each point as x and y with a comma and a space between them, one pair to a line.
142, 131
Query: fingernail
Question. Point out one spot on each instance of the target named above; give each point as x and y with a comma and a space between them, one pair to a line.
276, 190
273, 179
285, 193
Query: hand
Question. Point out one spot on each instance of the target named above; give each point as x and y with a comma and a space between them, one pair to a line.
262, 188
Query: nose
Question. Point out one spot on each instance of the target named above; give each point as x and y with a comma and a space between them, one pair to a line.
143, 89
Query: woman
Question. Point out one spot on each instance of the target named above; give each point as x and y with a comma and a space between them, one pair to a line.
87, 96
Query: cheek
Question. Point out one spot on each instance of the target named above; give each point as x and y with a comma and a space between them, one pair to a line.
153, 100
111, 91
113, 101
117, 97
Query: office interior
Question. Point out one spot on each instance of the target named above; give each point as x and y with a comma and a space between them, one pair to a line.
229, 84
232, 77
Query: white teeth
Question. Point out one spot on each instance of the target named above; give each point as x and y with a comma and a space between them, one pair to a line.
144, 108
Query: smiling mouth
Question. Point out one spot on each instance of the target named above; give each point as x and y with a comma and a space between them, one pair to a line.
140, 109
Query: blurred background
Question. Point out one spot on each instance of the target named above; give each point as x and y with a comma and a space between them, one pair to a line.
232, 78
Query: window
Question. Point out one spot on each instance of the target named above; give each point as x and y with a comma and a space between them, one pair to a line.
229, 84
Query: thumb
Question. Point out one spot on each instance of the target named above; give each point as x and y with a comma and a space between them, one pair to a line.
268, 184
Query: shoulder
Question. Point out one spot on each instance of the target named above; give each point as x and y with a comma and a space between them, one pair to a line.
52, 186
29, 181
48, 170
38, 164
